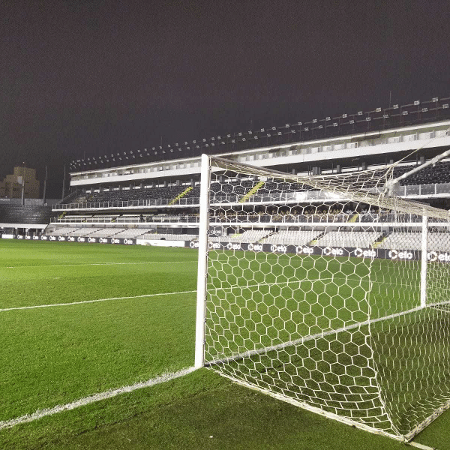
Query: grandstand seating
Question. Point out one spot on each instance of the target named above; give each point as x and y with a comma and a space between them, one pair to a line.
248, 236
131, 233
237, 190
169, 237
363, 239
25, 214
434, 174
437, 241
85, 231
60, 231
286, 237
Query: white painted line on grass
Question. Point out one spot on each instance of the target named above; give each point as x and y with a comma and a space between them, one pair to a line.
98, 264
94, 301
40, 413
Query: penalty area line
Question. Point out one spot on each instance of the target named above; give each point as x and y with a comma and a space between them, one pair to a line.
40, 413
51, 305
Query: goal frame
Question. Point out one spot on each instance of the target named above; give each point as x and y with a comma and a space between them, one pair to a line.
204, 223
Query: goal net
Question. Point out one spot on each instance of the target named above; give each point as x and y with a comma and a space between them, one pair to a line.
326, 292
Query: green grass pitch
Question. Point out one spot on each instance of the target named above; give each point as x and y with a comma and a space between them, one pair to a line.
79, 319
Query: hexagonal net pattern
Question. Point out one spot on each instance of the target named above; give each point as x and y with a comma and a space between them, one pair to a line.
317, 292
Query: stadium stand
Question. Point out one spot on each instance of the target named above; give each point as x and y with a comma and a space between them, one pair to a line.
363, 239
437, 241
286, 237
25, 214
249, 236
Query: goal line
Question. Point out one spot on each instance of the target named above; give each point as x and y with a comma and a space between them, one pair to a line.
39, 414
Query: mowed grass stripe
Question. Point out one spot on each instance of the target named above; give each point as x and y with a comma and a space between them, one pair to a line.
58, 355
39, 414
98, 264
52, 356
95, 301
68, 284
24, 253
55, 356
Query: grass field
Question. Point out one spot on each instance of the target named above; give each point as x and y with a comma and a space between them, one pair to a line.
83, 319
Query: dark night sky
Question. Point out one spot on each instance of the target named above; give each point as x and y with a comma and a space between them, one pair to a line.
94, 77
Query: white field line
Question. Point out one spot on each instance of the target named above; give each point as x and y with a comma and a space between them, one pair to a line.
40, 413
96, 264
94, 301
231, 288
310, 337
51, 305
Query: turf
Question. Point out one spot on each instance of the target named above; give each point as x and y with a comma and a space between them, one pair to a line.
57, 354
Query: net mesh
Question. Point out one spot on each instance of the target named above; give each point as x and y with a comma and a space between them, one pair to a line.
314, 293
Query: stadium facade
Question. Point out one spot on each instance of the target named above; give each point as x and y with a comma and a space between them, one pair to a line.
155, 191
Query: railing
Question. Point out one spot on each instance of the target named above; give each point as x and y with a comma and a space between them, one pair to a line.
423, 189
287, 197
348, 218
118, 204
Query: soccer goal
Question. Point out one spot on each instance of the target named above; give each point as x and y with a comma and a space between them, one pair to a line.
326, 291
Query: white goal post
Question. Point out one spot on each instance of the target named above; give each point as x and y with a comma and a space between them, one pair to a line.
326, 292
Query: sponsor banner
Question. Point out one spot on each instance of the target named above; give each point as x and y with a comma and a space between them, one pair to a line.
161, 243
304, 250
119, 241
438, 257
82, 239
8, 236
